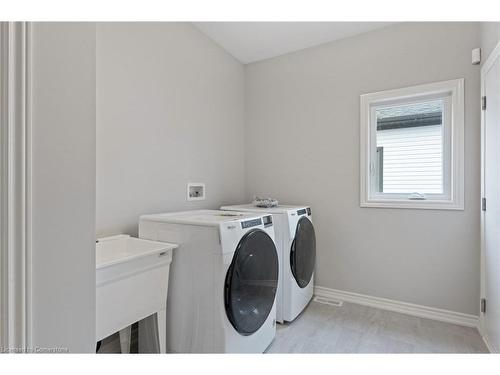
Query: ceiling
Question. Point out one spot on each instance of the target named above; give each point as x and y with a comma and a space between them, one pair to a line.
253, 41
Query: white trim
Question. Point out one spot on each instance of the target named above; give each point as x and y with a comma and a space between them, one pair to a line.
15, 180
28, 183
487, 342
3, 186
455, 162
400, 307
490, 60
488, 64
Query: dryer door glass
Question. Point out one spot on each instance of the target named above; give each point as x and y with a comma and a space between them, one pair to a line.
251, 282
303, 252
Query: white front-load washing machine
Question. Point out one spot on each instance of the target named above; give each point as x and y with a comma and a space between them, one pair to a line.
223, 280
296, 244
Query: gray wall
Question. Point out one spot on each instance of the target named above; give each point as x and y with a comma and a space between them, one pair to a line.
170, 110
302, 146
63, 186
490, 36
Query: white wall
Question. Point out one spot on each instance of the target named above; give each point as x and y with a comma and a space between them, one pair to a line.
170, 110
63, 186
302, 146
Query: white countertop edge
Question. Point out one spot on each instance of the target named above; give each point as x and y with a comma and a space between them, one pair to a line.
165, 246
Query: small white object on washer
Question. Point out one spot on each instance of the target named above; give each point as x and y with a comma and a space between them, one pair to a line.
296, 244
223, 280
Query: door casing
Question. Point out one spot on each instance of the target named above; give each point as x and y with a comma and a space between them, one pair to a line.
15, 182
495, 54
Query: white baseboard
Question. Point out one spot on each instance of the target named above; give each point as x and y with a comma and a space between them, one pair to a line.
489, 345
487, 342
400, 307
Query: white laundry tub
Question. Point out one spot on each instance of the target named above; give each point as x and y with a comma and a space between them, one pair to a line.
131, 283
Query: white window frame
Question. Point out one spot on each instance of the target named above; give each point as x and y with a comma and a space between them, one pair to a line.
453, 146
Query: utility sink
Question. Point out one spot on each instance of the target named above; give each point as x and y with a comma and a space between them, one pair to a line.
131, 283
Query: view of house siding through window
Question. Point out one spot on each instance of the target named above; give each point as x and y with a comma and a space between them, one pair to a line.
410, 148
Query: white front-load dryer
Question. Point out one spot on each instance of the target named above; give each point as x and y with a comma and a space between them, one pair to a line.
223, 280
296, 244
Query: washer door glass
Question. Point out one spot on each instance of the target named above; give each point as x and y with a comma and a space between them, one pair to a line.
251, 282
303, 252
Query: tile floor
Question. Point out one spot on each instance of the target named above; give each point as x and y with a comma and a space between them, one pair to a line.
354, 328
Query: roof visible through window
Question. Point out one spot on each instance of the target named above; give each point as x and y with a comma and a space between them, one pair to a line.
410, 115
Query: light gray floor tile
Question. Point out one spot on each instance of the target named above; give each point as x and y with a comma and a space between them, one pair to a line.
354, 328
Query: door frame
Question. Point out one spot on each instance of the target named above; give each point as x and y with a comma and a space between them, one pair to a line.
494, 55
15, 187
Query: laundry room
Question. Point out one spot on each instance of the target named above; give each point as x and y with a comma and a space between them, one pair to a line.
208, 185
287, 128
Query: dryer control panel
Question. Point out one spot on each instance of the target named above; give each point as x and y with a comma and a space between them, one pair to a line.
304, 211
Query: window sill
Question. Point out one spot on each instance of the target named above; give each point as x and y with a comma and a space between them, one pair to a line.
413, 204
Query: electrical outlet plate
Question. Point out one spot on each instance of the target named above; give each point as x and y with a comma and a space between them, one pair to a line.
195, 191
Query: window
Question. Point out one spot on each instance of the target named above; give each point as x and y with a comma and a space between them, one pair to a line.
412, 147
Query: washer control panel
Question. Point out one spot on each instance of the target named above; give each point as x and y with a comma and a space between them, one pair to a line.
268, 221
251, 223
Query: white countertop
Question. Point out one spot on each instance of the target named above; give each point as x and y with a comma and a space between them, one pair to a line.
200, 217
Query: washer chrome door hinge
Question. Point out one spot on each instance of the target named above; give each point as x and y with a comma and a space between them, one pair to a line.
483, 103
483, 204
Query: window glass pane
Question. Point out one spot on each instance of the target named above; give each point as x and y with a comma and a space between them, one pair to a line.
409, 156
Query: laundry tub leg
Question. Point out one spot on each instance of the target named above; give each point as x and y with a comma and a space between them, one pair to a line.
152, 333
125, 339
161, 319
